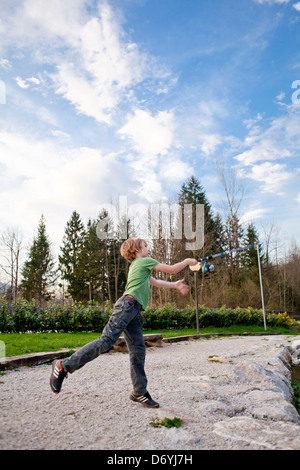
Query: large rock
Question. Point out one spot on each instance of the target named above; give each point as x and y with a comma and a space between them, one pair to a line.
258, 433
253, 374
294, 349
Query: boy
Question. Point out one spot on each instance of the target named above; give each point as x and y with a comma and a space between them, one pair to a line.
126, 318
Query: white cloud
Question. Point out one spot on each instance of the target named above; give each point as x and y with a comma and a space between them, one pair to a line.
150, 135
297, 6
272, 176
42, 177
96, 65
209, 143
272, 1
5, 64
106, 68
173, 170
155, 161
211, 109
59, 133
21, 83
93, 64
34, 80
24, 105
264, 150
27, 82
252, 215
250, 123
280, 140
82, 94
281, 96
26, 22
268, 145
53, 174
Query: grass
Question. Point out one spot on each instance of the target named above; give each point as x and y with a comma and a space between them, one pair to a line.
167, 422
230, 329
17, 344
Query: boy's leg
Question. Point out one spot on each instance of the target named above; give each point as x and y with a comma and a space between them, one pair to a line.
134, 338
133, 335
123, 313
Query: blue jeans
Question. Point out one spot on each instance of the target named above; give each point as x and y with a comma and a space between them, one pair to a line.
125, 318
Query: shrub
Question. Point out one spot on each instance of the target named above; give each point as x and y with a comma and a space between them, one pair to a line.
5, 320
27, 316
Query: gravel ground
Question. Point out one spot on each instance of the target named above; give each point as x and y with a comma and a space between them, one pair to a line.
231, 393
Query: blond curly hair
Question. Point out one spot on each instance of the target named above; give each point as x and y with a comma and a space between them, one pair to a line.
129, 247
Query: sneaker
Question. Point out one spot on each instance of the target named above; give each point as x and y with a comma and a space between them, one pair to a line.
57, 376
145, 400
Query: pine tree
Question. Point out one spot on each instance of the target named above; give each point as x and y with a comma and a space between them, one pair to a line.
71, 260
249, 257
193, 193
233, 233
96, 259
39, 273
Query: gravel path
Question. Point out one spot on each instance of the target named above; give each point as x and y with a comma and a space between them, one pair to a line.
231, 393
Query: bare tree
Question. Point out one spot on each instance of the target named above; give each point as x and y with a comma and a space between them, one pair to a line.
273, 244
11, 241
234, 187
160, 227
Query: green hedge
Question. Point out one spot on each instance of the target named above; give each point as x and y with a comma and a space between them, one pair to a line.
170, 317
25, 316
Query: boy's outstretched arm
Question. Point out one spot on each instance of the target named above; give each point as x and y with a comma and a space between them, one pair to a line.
175, 268
179, 285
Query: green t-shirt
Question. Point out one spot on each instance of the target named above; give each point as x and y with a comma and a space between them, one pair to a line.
138, 282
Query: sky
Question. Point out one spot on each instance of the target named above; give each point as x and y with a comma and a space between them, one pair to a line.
102, 99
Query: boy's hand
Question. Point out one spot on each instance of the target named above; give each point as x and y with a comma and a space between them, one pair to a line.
182, 287
196, 267
192, 262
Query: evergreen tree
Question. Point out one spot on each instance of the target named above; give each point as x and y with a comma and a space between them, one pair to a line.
219, 235
100, 261
233, 233
249, 257
71, 260
39, 273
91, 261
193, 193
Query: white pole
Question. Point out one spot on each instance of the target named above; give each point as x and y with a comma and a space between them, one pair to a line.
196, 301
261, 287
